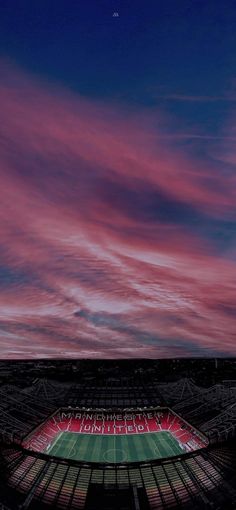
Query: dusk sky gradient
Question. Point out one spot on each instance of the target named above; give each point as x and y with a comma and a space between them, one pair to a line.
117, 179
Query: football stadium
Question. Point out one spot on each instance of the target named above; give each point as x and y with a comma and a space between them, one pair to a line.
92, 437
113, 438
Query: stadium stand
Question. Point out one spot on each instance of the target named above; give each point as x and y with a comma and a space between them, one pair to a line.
192, 482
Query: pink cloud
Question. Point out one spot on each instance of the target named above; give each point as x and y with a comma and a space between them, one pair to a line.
147, 283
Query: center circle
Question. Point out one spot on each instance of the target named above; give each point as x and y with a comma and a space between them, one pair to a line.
115, 455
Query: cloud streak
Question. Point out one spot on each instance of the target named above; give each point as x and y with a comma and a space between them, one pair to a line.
113, 242
197, 98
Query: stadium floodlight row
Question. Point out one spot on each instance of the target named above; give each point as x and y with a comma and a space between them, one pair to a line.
22, 410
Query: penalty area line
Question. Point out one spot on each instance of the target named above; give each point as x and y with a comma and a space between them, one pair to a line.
55, 442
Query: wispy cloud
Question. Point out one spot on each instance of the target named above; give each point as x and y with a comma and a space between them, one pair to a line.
196, 98
108, 232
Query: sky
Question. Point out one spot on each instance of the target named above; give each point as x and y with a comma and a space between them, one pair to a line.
117, 179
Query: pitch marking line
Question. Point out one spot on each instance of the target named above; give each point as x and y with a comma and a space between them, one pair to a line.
70, 454
55, 442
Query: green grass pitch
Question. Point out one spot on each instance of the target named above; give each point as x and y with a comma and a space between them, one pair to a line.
115, 448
